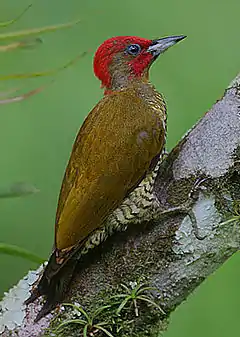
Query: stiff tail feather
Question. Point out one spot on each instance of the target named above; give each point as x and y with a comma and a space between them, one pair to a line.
53, 284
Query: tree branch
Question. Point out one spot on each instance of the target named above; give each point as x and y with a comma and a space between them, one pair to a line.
173, 253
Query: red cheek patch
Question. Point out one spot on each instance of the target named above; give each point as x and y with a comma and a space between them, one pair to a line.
140, 63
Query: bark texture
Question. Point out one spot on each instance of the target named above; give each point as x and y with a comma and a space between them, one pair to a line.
176, 251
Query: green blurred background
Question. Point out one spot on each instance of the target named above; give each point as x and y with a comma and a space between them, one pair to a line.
36, 135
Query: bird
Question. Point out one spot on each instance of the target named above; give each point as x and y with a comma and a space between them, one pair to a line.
108, 182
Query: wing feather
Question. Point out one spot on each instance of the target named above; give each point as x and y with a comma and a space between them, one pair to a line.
112, 152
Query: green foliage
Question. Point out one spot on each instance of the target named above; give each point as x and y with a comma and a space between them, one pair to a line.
12, 191
17, 190
113, 318
26, 43
236, 214
19, 252
42, 73
90, 323
33, 31
23, 189
133, 295
10, 22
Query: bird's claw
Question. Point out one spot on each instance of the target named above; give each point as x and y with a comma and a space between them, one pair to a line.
186, 208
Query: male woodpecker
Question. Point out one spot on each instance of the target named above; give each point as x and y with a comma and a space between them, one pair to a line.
109, 179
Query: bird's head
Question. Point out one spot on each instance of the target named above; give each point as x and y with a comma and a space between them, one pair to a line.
123, 59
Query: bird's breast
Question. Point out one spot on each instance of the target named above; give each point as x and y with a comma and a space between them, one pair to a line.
156, 107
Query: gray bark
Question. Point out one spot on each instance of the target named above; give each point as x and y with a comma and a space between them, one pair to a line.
176, 251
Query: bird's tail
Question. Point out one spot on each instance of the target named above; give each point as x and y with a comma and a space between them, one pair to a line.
53, 284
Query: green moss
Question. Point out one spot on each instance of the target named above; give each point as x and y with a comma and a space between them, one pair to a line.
126, 311
227, 190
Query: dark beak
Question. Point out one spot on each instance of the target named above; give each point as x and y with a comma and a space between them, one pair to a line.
159, 46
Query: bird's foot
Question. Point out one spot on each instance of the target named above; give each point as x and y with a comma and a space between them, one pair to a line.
186, 207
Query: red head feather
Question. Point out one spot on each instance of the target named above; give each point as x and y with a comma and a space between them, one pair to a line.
105, 53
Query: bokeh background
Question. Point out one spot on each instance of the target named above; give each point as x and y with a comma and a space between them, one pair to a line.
36, 135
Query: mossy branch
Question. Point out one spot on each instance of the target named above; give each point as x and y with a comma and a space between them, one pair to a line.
173, 254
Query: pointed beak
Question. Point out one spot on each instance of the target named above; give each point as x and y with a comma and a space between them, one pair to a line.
159, 46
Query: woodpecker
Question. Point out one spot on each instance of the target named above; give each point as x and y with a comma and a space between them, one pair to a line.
108, 182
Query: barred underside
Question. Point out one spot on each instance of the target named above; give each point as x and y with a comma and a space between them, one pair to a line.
139, 206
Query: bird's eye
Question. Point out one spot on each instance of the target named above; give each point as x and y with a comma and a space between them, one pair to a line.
133, 49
